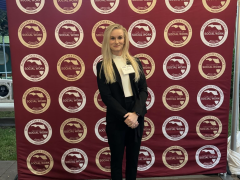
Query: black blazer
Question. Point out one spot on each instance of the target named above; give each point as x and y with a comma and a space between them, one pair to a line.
113, 96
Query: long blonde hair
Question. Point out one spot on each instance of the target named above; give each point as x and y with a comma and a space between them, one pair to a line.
107, 55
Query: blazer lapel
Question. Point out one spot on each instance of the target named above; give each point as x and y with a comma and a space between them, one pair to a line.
132, 78
118, 78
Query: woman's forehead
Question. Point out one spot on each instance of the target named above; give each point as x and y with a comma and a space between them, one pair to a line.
117, 32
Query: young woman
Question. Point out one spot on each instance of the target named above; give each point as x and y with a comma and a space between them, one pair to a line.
123, 88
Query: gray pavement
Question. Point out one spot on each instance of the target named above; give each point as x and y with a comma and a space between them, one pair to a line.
8, 171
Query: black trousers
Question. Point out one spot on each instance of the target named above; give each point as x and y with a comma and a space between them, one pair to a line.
119, 137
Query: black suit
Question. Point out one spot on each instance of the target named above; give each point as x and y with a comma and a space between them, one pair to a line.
119, 134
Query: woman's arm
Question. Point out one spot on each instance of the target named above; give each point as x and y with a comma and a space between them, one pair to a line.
143, 93
106, 94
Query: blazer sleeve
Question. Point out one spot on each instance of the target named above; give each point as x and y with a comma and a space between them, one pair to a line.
106, 94
140, 102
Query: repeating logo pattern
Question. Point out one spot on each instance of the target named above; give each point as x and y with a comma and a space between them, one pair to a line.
175, 98
30, 6
176, 66
105, 7
68, 7
34, 67
212, 66
150, 99
208, 156
142, 33
179, 6
142, 6
40, 162
146, 158
72, 99
36, 100
38, 131
178, 33
98, 102
74, 160
32, 34
209, 127
98, 31
98, 59
210, 97
69, 34
216, 6
148, 64
148, 129
100, 130
103, 159
70, 67
175, 157
175, 128
73, 130
214, 32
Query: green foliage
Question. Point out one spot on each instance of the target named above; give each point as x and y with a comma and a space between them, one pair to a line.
8, 144
3, 23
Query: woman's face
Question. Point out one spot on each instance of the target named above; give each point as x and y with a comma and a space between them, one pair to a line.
116, 41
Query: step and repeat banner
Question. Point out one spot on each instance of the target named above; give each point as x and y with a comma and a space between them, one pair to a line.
186, 49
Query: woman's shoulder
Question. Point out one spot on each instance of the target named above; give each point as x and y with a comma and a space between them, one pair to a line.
99, 64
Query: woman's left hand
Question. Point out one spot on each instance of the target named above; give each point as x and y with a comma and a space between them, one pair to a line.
131, 119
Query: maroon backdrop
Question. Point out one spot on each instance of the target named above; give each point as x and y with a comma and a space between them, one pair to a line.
186, 51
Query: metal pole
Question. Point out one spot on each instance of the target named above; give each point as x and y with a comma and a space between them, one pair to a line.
4, 57
235, 104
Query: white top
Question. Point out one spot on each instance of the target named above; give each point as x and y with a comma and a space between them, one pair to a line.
121, 62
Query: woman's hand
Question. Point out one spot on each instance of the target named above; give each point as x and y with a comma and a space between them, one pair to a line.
131, 120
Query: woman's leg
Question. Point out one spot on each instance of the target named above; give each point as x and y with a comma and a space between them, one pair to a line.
116, 141
132, 151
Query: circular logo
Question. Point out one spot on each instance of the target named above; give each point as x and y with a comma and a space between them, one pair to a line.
69, 34
175, 157
70, 67
103, 159
175, 98
98, 31
40, 162
147, 64
36, 100
146, 158
175, 128
98, 102
73, 130
148, 129
208, 156
142, 33
216, 6
98, 59
30, 6
68, 7
214, 32
34, 67
32, 34
209, 127
178, 33
72, 99
150, 99
38, 131
176, 66
212, 66
142, 6
179, 6
74, 160
100, 130
4, 90
210, 97
105, 7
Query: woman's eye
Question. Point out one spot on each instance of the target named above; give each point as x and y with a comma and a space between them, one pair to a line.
112, 38
120, 37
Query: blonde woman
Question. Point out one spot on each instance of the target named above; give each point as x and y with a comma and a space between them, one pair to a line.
123, 88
